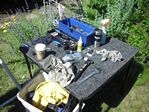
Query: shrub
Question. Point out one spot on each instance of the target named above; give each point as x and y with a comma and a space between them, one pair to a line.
139, 34
118, 12
92, 6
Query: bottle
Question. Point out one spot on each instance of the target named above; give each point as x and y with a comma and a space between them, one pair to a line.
79, 46
104, 33
97, 38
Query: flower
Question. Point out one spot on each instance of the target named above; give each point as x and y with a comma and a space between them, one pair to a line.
4, 31
3, 26
14, 19
7, 23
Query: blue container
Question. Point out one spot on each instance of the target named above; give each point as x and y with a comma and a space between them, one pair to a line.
76, 29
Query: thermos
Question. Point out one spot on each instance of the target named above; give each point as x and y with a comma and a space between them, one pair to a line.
97, 37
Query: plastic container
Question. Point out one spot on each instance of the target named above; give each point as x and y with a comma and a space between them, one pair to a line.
76, 29
31, 86
40, 50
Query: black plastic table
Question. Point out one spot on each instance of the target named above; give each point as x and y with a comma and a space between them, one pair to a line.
83, 89
109, 69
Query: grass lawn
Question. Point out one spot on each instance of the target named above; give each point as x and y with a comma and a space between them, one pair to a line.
135, 101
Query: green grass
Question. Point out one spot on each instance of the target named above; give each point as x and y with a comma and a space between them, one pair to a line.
135, 101
9, 52
143, 79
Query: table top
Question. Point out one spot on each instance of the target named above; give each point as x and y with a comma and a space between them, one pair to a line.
106, 69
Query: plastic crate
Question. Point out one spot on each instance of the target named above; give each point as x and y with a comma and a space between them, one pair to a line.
76, 29
31, 86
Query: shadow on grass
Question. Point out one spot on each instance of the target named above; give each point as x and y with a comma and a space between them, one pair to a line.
112, 93
115, 91
16, 106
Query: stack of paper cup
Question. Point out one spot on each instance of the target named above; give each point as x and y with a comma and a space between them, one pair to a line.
40, 50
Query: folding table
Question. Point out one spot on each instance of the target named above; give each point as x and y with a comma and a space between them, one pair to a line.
83, 90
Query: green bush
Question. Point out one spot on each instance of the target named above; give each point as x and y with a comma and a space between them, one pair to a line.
118, 12
128, 21
139, 31
139, 34
92, 6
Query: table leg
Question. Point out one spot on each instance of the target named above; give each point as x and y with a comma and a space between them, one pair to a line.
126, 76
28, 65
24, 49
80, 106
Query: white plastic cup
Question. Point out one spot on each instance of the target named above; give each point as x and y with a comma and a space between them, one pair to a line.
40, 51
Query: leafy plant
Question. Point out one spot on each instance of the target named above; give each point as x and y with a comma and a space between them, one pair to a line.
118, 12
92, 6
139, 38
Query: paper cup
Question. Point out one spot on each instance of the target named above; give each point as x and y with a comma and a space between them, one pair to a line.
40, 50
